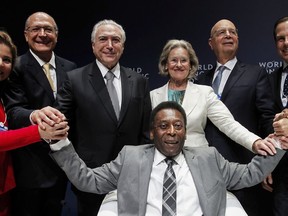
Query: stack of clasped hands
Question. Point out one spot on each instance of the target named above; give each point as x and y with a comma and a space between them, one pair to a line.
52, 122
279, 139
280, 125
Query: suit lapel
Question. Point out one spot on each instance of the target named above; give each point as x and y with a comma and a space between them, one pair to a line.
190, 98
36, 71
208, 78
193, 165
145, 170
127, 85
97, 82
160, 95
60, 72
236, 73
277, 86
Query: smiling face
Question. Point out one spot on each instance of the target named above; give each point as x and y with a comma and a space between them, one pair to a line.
108, 45
178, 64
41, 35
281, 37
5, 61
224, 40
168, 132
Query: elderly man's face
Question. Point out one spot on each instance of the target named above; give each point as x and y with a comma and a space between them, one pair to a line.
169, 132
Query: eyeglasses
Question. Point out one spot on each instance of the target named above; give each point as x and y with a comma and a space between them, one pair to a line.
165, 126
223, 32
175, 61
38, 29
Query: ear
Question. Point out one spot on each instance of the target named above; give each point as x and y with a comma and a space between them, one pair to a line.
210, 43
151, 135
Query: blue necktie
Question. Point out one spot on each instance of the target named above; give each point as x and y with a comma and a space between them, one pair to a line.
217, 80
169, 190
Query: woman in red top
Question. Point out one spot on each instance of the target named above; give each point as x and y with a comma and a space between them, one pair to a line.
12, 139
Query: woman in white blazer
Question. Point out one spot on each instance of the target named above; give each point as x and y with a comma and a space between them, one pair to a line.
179, 63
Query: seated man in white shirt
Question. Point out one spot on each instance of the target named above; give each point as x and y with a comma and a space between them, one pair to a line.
202, 174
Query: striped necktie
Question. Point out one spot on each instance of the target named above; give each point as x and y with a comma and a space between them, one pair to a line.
169, 190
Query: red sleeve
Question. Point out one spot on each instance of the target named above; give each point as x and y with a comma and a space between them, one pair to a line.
13, 139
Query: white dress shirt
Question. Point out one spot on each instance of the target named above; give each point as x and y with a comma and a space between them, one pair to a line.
187, 197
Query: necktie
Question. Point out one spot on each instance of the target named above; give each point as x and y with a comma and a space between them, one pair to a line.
169, 190
112, 92
285, 86
46, 68
217, 80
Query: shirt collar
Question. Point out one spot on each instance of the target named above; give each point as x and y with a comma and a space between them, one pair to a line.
285, 66
230, 64
159, 157
103, 69
41, 62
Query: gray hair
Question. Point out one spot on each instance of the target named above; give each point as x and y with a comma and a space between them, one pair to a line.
108, 22
172, 44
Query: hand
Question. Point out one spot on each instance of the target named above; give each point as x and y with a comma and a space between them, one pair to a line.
267, 182
283, 141
283, 114
49, 115
281, 127
57, 132
264, 146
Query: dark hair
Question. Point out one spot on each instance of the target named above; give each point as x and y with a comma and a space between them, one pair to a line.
6, 39
167, 105
280, 20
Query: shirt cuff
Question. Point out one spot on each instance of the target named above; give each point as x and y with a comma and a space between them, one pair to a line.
30, 117
277, 143
60, 144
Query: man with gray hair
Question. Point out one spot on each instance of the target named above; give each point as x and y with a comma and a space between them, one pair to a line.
104, 116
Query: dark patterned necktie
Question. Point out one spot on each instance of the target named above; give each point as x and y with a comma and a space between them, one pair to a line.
217, 80
285, 86
169, 190
112, 92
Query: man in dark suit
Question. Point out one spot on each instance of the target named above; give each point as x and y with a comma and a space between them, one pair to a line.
98, 131
41, 185
244, 89
200, 175
278, 80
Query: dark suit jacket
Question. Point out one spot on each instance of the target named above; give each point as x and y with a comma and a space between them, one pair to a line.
95, 131
28, 90
248, 96
130, 174
280, 174
275, 82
